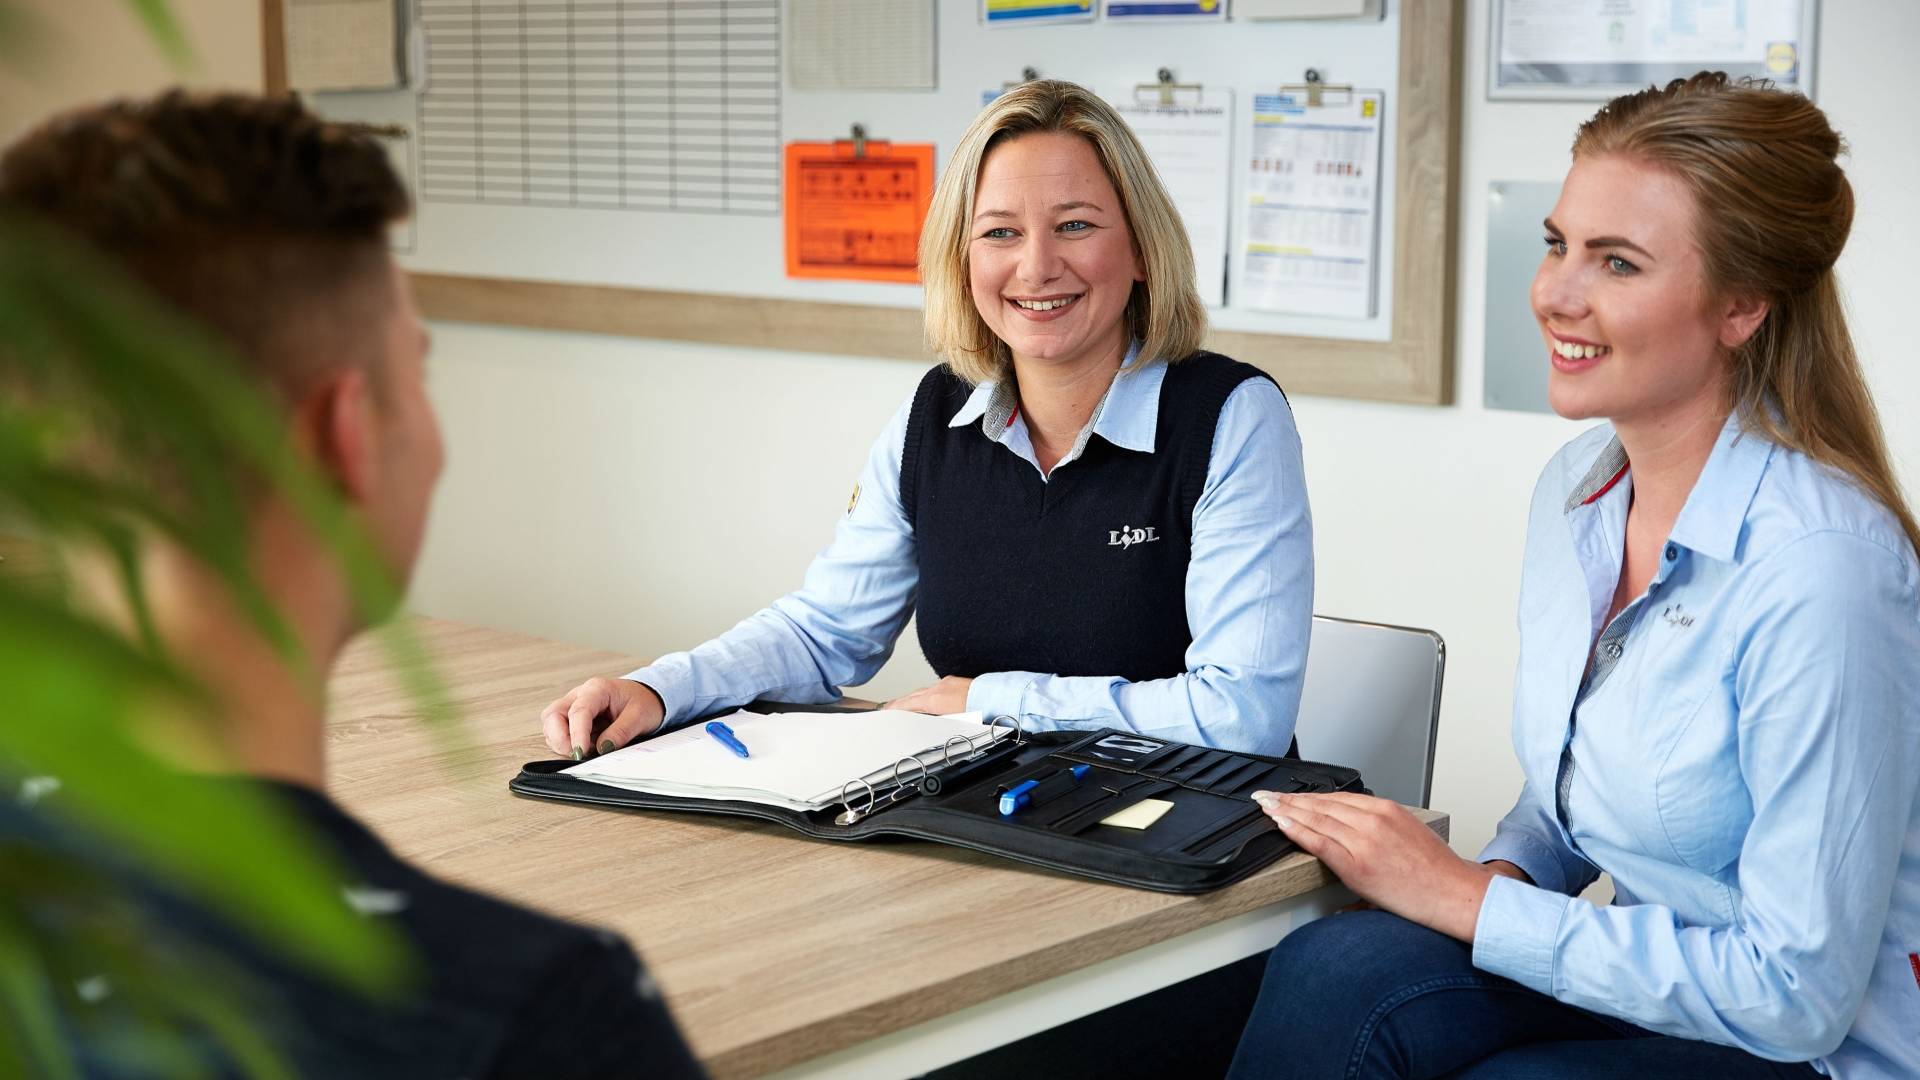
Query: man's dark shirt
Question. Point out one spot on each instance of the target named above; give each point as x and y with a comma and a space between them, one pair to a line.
500, 991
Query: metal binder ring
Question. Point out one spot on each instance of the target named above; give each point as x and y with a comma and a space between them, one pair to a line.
897, 781
946, 749
1019, 733
853, 815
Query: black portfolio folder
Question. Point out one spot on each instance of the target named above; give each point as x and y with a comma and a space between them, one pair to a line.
1213, 834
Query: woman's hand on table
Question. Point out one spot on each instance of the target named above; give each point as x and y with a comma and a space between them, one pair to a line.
949, 695
601, 715
1387, 856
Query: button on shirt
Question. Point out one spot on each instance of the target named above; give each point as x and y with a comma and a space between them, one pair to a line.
1742, 758
1249, 588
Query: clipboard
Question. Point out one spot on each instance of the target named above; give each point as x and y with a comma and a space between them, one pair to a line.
1211, 835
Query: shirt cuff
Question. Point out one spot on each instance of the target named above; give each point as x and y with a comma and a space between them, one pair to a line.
1517, 932
673, 695
1529, 853
999, 693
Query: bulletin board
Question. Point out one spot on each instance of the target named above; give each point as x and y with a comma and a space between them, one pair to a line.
712, 267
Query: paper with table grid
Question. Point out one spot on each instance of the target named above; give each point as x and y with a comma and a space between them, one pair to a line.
801, 761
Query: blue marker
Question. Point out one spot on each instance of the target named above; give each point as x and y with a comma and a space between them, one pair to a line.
1042, 789
725, 734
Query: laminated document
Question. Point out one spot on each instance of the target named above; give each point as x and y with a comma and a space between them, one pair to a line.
854, 210
1312, 228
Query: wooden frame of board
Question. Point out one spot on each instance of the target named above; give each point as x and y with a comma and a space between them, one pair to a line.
1415, 365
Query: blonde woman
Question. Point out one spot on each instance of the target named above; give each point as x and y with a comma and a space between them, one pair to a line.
1718, 698
1098, 524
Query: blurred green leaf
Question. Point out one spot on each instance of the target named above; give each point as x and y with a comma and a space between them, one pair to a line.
165, 31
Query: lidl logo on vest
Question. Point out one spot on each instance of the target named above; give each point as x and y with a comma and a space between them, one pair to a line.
1126, 536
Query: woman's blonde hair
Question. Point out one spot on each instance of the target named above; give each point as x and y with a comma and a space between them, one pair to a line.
1773, 210
1164, 311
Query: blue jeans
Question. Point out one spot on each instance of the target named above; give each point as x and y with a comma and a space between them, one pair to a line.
1367, 994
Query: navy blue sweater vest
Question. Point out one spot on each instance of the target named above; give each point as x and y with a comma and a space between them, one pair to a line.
1084, 574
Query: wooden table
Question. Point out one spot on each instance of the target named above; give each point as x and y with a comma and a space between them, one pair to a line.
776, 952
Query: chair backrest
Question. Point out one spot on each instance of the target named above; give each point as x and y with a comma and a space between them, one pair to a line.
1371, 701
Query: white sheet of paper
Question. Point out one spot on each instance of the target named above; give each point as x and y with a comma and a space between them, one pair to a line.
1312, 229
797, 760
862, 44
1190, 142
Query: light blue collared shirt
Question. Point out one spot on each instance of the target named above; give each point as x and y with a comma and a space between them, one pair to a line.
1249, 589
1743, 759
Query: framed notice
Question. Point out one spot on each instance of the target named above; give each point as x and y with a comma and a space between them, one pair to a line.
1592, 50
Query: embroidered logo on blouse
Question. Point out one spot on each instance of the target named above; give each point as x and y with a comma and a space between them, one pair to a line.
1676, 616
1126, 536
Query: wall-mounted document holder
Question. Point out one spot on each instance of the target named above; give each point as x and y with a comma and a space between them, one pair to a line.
1201, 829
1162, 89
1316, 88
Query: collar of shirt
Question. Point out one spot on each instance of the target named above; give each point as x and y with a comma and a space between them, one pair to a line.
1715, 509
1128, 415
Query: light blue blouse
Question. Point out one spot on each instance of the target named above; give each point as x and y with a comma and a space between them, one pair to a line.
1743, 759
1249, 589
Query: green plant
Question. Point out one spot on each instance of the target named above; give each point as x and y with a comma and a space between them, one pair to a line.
97, 383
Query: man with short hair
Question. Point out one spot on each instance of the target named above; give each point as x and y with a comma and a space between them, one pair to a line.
268, 226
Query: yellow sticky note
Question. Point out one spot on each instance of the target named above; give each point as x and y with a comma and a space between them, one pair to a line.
1140, 814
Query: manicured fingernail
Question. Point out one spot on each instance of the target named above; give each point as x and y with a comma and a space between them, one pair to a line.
579, 752
1263, 796
1285, 823
606, 746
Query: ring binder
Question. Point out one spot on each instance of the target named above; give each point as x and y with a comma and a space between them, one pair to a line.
897, 788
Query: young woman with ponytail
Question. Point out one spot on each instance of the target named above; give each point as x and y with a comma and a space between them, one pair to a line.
1718, 694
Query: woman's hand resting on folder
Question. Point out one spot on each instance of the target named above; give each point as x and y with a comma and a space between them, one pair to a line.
1388, 856
601, 715
949, 695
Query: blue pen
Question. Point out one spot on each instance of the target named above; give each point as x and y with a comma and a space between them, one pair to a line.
1041, 789
725, 734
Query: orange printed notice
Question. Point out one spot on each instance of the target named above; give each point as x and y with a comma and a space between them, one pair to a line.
857, 218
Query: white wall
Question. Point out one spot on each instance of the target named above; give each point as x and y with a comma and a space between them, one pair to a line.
72, 51
642, 495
